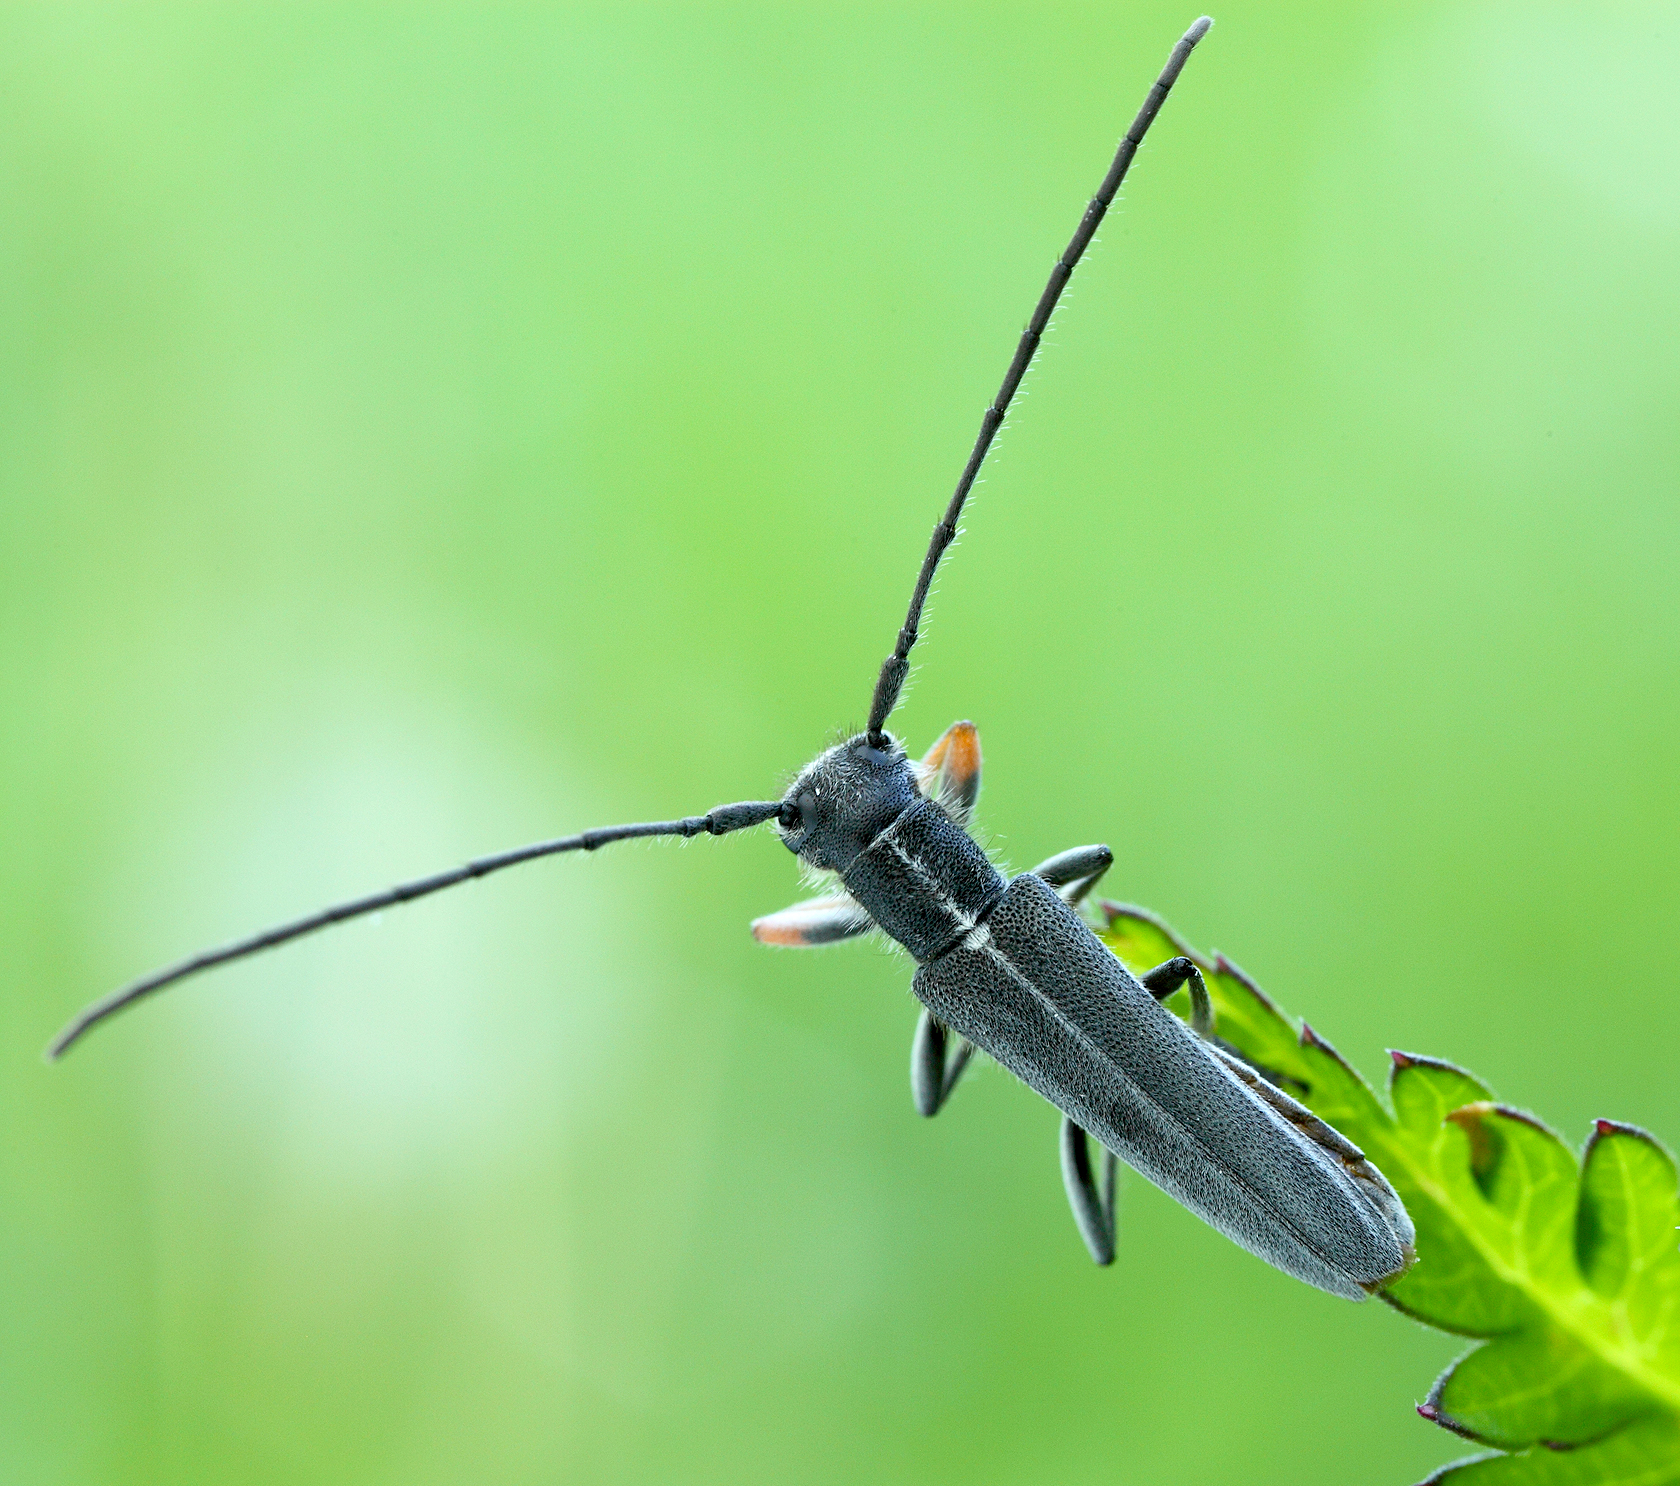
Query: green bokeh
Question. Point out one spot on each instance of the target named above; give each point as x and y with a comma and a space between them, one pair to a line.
426, 430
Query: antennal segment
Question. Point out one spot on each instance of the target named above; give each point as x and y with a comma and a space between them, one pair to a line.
897, 665
718, 821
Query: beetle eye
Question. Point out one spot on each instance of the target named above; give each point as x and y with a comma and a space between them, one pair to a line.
788, 816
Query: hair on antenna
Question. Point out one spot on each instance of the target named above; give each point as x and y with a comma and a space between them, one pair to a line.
723, 818
897, 665
718, 821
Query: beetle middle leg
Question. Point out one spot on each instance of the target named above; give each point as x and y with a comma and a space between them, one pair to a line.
1074, 873
1093, 1206
935, 1066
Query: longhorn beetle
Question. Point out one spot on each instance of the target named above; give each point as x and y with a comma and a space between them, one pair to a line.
1010, 967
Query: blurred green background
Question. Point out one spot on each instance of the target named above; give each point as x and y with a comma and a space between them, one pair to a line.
426, 430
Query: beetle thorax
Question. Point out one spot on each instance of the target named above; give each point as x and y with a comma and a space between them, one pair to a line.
857, 811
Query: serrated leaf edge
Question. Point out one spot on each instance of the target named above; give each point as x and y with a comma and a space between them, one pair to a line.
1572, 1315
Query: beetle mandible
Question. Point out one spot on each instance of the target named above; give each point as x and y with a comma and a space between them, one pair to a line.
1010, 967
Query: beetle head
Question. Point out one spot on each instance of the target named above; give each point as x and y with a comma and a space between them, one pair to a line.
844, 799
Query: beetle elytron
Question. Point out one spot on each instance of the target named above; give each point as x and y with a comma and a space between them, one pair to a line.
1010, 967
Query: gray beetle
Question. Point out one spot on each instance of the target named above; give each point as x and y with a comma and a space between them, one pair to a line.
1014, 970
1010, 967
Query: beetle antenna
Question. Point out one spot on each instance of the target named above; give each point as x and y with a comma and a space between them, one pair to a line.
897, 665
718, 821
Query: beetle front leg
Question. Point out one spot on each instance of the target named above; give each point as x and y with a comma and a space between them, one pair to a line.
950, 773
1074, 873
1164, 979
813, 922
933, 1074
1093, 1208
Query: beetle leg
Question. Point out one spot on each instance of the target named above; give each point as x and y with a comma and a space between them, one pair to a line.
932, 1074
1164, 979
1074, 873
1093, 1209
950, 771
815, 921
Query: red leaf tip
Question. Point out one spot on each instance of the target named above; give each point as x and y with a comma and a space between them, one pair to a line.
1400, 1059
1429, 1412
1605, 1127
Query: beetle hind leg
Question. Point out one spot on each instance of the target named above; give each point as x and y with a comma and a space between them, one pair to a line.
1093, 1205
1166, 978
935, 1067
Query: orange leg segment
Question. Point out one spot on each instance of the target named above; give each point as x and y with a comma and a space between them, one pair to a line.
950, 771
813, 922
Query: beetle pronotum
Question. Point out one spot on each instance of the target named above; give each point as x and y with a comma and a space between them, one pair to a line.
1009, 966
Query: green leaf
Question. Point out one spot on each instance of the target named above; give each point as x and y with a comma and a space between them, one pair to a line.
1644, 1454
1536, 1383
1529, 1183
1624, 1234
1570, 1269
